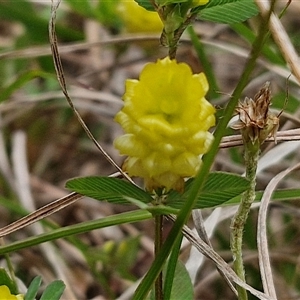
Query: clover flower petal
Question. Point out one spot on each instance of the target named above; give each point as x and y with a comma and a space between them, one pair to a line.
166, 119
7, 295
138, 19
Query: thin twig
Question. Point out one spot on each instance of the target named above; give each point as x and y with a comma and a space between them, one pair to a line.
199, 225
62, 82
215, 257
40, 213
282, 39
281, 136
262, 241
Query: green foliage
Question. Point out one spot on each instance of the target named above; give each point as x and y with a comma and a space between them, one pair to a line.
219, 188
115, 257
22, 80
228, 11
113, 190
113, 220
220, 11
6, 280
146, 4
33, 288
167, 2
53, 291
278, 195
182, 285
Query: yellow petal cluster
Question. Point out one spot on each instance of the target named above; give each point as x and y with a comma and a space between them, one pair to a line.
5, 294
137, 19
166, 120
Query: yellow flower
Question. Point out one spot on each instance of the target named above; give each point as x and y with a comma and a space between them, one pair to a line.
5, 294
138, 19
166, 120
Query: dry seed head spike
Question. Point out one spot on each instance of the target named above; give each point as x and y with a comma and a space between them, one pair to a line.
263, 100
255, 121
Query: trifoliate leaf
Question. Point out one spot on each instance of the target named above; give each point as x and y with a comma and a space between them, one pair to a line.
220, 187
111, 189
228, 11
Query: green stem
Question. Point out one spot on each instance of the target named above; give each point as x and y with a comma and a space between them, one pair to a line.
206, 64
208, 159
175, 36
158, 243
9, 266
240, 218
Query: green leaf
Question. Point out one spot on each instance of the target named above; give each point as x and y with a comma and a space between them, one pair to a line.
111, 189
121, 218
279, 195
54, 290
146, 4
33, 288
168, 2
228, 11
6, 280
171, 270
182, 285
219, 187
23, 79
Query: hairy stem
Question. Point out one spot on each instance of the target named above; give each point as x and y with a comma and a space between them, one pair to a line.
240, 218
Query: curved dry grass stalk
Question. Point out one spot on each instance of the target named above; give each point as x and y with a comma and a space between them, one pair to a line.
281, 136
220, 263
62, 82
39, 51
262, 242
282, 39
40, 213
200, 228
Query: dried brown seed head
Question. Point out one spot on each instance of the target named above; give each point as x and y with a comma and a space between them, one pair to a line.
255, 121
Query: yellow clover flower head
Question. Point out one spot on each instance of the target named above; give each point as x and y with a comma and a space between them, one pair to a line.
138, 19
5, 294
166, 120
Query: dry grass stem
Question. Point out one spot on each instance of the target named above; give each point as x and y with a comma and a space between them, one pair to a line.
282, 39
262, 241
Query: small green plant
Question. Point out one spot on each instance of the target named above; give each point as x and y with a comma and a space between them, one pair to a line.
9, 290
167, 118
